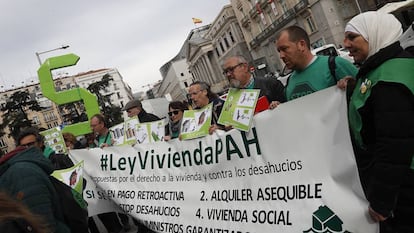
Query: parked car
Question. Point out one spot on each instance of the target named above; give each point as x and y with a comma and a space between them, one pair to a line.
331, 49
344, 52
284, 75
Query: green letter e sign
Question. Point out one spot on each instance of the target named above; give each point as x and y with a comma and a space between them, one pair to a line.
68, 96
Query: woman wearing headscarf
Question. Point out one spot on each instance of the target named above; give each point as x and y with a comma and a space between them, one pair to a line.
381, 116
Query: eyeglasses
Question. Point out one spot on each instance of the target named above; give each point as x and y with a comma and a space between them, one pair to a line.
175, 112
232, 68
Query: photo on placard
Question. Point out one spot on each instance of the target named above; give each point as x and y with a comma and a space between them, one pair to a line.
142, 134
242, 115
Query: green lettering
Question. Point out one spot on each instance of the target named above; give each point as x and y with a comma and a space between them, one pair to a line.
198, 151
230, 140
208, 157
255, 140
176, 159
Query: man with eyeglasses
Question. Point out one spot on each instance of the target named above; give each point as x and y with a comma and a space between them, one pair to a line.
134, 108
201, 95
24, 174
236, 70
311, 73
30, 137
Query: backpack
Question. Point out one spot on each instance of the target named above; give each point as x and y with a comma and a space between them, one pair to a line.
74, 207
332, 65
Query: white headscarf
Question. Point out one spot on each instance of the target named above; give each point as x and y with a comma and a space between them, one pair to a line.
379, 29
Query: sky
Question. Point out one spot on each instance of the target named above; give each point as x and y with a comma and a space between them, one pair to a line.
136, 37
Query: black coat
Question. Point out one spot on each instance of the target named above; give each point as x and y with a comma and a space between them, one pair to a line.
388, 135
18, 225
144, 116
272, 88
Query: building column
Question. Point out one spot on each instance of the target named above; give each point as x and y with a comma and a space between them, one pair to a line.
211, 70
206, 69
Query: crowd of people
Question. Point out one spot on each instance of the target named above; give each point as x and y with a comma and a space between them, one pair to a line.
379, 88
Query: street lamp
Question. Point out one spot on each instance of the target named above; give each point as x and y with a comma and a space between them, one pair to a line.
38, 53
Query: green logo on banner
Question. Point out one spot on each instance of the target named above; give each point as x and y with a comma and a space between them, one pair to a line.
324, 220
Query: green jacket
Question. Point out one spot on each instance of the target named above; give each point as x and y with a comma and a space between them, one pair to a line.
24, 174
386, 73
381, 118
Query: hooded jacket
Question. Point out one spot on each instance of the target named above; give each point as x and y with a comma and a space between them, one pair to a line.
24, 175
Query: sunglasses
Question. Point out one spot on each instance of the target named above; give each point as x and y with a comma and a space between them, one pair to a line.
175, 112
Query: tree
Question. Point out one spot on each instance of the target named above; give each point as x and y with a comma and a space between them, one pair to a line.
112, 113
14, 112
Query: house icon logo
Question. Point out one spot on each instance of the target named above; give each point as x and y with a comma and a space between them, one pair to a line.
324, 220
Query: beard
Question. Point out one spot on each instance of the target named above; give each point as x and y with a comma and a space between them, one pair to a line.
235, 83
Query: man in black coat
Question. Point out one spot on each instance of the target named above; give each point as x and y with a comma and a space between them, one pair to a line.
236, 69
134, 108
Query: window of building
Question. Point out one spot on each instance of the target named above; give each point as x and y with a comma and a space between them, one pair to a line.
118, 95
231, 37
310, 24
3, 142
36, 120
222, 48
226, 41
217, 52
49, 116
318, 43
116, 87
182, 74
284, 5
274, 9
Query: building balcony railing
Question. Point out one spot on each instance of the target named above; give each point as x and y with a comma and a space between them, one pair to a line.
300, 6
244, 21
279, 23
253, 12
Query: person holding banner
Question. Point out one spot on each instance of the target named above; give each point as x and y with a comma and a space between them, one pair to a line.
381, 118
98, 126
134, 108
175, 112
71, 142
201, 96
236, 70
311, 73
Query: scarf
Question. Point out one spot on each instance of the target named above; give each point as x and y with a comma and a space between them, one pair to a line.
377, 28
175, 128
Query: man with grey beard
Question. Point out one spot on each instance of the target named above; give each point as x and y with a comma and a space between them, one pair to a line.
236, 69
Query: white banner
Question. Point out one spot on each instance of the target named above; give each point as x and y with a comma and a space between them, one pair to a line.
294, 171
